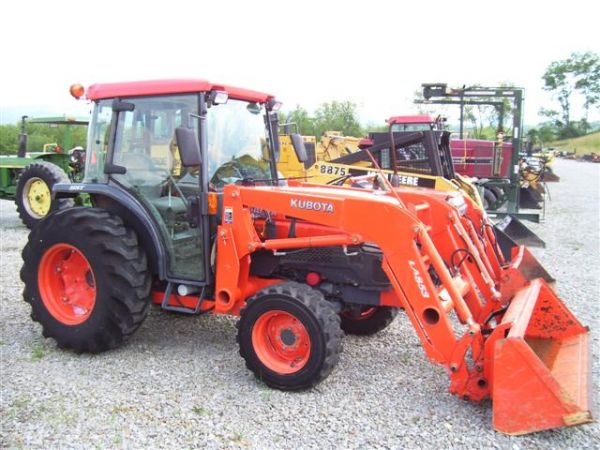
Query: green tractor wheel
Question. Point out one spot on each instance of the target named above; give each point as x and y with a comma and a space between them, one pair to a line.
34, 192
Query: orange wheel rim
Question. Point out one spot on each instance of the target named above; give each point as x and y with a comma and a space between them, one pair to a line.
66, 284
281, 342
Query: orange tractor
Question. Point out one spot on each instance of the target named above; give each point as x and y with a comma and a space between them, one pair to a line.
189, 213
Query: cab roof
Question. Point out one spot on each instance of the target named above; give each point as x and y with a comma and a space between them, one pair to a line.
422, 118
174, 86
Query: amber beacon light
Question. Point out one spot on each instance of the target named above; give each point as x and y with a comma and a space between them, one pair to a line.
76, 90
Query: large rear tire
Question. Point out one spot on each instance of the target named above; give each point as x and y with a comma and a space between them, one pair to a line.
489, 199
86, 279
368, 320
34, 192
289, 336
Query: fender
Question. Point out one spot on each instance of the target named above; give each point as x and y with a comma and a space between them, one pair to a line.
130, 210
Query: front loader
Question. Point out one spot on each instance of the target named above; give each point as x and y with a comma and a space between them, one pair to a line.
297, 262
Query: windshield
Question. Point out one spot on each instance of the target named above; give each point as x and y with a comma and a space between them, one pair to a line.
237, 144
412, 127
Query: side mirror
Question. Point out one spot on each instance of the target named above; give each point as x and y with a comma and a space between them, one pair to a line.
189, 149
299, 147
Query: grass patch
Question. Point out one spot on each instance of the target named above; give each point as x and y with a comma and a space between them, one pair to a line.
238, 439
590, 143
266, 394
17, 408
200, 411
122, 409
37, 351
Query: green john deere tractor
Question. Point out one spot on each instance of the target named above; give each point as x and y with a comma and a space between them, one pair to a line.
28, 177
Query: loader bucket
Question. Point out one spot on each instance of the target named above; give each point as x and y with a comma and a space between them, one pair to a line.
530, 199
542, 367
511, 232
528, 265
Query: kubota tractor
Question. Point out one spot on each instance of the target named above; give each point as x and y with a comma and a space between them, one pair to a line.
297, 262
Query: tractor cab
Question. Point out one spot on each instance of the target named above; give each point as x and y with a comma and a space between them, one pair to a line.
134, 158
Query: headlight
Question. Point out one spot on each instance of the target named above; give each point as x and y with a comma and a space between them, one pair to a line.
218, 97
458, 201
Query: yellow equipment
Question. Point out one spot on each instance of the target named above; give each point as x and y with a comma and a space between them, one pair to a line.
422, 159
321, 167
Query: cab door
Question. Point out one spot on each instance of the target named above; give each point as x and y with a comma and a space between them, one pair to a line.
146, 147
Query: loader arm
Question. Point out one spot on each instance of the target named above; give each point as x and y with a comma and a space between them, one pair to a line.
408, 254
472, 314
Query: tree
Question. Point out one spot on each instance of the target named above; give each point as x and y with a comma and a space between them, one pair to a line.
557, 80
9, 139
304, 123
37, 136
586, 69
580, 73
337, 116
332, 116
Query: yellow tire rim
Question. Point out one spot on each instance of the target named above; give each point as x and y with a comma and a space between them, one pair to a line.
37, 197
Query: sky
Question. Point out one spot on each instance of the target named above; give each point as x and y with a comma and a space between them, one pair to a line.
374, 53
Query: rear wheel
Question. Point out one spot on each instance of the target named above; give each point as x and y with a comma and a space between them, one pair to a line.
498, 192
367, 320
86, 279
289, 336
489, 199
34, 192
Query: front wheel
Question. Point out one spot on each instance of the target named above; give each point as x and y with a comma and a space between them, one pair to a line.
289, 336
367, 320
86, 279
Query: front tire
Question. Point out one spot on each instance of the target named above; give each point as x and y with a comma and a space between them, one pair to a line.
86, 279
34, 192
289, 336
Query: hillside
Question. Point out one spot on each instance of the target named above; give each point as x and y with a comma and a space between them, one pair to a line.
590, 143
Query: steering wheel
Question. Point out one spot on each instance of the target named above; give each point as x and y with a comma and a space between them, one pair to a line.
221, 177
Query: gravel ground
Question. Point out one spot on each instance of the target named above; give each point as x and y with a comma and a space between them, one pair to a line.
180, 382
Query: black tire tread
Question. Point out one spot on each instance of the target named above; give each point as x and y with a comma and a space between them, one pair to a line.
122, 259
49, 171
381, 319
328, 319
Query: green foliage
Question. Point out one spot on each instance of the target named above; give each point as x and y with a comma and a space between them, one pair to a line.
201, 411
332, 116
304, 124
578, 74
542, 135
587, 78
375, 128
38, 135
37, 351
590, 143
552, 130
9, 139
546, 133
337, 116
